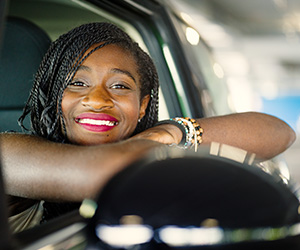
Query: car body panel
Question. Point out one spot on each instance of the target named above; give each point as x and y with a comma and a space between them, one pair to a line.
189, 85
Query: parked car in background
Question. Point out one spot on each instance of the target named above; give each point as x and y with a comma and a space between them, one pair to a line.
192, 85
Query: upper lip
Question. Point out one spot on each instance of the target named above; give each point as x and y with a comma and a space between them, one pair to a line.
95, 116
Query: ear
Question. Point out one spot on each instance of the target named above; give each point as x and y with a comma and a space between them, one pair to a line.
144, 105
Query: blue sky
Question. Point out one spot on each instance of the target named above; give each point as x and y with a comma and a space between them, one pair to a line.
286, 108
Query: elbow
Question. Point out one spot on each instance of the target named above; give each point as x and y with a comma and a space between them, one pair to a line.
291, 137
283, 135
283, 141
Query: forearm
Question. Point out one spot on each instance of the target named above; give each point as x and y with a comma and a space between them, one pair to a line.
39, 169
264, 135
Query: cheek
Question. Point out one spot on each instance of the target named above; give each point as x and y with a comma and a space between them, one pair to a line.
68, 107
65, 107
67, 104
132, 108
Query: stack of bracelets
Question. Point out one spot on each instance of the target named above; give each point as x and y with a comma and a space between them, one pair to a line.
191, 130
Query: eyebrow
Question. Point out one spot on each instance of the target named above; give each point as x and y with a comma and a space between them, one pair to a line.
113, 70
85, 68
125, 72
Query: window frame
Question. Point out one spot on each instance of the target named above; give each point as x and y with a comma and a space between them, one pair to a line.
154, 23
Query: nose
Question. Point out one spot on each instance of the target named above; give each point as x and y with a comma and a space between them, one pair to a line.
98, 98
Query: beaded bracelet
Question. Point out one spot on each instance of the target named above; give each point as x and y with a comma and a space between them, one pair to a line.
191, 130
195, 132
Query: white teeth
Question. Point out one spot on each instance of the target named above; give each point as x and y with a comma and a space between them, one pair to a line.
98, 122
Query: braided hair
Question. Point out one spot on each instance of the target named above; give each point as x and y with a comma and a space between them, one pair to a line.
60, 64
56, 71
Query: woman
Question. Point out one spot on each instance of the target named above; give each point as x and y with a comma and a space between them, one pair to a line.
94, 110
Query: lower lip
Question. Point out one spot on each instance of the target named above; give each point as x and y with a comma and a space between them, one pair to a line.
96, 128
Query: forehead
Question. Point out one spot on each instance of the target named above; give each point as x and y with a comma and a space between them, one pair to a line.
111, 57
110, 54
110, 49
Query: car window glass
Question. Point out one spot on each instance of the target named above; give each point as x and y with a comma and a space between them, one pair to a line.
207, 72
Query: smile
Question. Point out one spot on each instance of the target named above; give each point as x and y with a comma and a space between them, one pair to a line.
96, 122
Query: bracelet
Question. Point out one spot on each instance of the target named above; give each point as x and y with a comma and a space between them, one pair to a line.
191, 131
195, 132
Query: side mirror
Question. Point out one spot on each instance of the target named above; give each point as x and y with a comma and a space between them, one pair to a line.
179, 189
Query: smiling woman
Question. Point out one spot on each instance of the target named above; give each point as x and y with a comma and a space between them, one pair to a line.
94, 110
108, 85
125, 74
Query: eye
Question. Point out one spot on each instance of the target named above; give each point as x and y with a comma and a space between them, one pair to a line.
78, 84
120, 85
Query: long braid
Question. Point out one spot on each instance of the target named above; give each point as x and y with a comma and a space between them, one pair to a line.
57, 70
62, 60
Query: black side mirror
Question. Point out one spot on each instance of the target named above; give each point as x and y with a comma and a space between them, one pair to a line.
173, 188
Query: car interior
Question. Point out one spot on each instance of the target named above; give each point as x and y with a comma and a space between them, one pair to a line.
19, 62
23, 24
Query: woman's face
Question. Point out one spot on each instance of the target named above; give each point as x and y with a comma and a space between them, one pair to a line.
102, 104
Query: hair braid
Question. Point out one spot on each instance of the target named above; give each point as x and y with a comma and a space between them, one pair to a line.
56, 71
60, 64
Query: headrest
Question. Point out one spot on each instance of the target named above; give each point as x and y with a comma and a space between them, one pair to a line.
22, 50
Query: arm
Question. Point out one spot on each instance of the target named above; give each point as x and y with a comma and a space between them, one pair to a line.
264, 135
38, 169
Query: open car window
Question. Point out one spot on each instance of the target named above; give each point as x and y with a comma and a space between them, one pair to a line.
58, 17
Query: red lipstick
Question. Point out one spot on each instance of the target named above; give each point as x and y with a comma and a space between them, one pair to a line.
96, 122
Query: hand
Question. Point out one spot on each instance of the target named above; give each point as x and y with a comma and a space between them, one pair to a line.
165, 133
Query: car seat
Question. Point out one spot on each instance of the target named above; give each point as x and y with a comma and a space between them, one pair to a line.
23, 47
